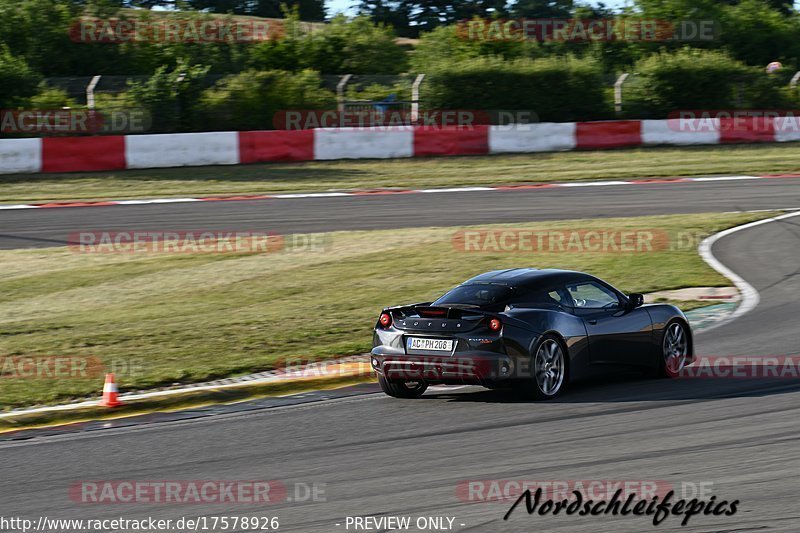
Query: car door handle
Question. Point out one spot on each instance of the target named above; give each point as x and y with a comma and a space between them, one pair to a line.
592, 321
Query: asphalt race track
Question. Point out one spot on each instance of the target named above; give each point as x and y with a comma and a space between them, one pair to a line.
52, 227
382, 456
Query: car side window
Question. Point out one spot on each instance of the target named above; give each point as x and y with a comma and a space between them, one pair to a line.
591, 295
559, 296
539, 296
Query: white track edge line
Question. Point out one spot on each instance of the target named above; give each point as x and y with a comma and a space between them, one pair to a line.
724, 178
750, 296
287, 196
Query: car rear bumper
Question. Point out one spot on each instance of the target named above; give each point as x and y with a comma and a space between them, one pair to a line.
473, 368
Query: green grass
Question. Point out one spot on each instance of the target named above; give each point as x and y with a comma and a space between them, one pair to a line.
403, 173
185, 318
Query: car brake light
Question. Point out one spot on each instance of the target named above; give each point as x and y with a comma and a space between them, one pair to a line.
385, 320
495, 325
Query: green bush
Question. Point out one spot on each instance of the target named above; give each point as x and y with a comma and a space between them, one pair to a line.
251, 99
356, 46
342, 46
447, 44
698, 79
52, 98
558, 89
38, 30
17, 80
170, 96
756, 33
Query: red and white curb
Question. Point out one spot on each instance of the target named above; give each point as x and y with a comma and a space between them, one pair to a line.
97, 153
379, 192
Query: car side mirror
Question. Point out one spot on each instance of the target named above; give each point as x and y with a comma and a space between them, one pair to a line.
635, 300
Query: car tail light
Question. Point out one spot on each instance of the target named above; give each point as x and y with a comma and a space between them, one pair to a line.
495, 324
385, 320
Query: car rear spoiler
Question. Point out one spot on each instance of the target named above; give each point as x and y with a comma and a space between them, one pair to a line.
427, 310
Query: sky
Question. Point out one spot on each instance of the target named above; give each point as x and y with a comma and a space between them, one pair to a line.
345, 6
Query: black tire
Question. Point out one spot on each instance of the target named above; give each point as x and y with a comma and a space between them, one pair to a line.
673, 369
402, 389
532, 387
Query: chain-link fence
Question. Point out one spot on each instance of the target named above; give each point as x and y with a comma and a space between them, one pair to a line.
272, 100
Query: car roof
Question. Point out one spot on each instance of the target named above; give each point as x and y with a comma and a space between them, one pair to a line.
525, 277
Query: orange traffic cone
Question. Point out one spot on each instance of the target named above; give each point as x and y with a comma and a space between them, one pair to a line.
110, 393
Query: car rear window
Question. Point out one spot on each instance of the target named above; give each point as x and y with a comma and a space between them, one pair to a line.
476, 294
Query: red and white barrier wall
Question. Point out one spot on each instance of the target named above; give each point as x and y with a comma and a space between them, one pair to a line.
81, 154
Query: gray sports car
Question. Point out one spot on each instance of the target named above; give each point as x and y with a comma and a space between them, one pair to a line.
530, 329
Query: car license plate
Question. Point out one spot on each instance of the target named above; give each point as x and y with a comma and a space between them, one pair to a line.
434, 345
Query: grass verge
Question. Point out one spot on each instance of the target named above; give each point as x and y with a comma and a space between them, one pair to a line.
403, 173
162, 319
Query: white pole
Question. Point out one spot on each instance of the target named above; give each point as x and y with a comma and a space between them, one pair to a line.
340, 91
415, 97
618, 92
795, 79
90, 92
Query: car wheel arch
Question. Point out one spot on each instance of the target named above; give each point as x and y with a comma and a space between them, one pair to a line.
561, 341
